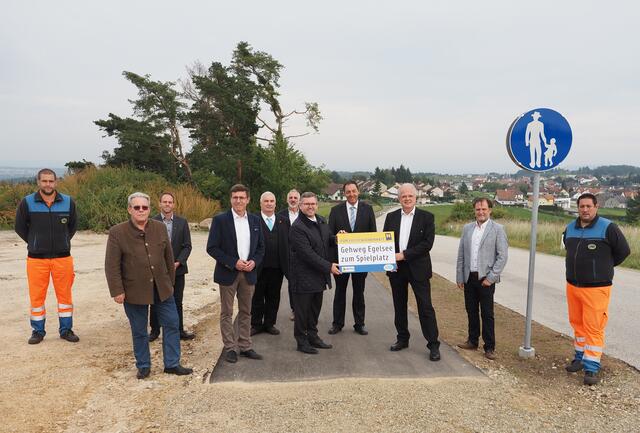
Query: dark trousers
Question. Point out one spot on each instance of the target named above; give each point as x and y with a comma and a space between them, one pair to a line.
266, 298
307, 308
400, 281
340, 298
476, 295
290, 295
168, 317
178, 292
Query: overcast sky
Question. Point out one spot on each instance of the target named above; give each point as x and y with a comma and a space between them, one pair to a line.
432, 85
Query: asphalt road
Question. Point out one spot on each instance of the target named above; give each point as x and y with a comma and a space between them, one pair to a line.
352, 355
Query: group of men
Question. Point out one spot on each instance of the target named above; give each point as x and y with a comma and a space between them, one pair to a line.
146, 261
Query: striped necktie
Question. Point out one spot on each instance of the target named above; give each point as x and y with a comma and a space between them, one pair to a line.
352, 217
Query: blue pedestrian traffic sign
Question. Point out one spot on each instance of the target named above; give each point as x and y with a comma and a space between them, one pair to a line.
539, 140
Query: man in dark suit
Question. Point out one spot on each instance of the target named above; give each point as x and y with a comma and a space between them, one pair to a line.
180, 236
351, 216
310, 268
288, 217
236, 242
266, 299
414, 232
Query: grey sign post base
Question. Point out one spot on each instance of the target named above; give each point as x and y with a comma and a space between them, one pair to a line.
526, 351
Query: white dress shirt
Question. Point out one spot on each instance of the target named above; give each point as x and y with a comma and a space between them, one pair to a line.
293, 216
478, 231
243, 234
406, 220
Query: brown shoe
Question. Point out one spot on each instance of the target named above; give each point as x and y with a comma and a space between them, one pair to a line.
467, 345
490, 354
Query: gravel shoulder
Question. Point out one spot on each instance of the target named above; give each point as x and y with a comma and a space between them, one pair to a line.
91, 387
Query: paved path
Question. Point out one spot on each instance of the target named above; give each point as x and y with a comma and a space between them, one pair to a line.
353, 355
549, 300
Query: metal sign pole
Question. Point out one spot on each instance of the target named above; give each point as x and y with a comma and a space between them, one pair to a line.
526, 351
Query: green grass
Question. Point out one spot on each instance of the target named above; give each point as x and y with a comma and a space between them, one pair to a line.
518, 226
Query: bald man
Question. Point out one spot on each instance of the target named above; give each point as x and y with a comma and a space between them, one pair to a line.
266, 298
414, 231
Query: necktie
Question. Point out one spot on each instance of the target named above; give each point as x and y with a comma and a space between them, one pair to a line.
269, 223
352, 217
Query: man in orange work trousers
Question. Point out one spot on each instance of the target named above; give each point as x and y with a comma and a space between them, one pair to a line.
594, 246
46, 221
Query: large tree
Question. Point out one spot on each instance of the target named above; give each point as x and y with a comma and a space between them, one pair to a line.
151, 140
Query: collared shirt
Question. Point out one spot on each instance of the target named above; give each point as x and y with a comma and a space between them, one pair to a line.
314, 219
478, 231
243, 234
293, 216
406, 220
169, 223
273, 220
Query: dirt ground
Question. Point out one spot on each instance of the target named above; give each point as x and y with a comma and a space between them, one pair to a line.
90, 386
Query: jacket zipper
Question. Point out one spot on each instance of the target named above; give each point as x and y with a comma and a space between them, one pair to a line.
575, 257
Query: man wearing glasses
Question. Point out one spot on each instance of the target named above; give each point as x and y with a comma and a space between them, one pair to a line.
310, 269
140, 271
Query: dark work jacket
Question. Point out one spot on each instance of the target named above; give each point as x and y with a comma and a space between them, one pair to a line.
222, 245
136, 261
46, 230
180, 241
421, 238
339, 220
593, 251
309, 255
276, 244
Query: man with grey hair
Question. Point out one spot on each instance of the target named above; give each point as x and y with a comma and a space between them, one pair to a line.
288, 216
140, 271
414, 231
266, 298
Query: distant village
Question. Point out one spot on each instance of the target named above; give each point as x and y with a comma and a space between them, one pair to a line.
561, 191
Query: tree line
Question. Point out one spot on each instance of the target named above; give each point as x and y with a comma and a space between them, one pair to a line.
234, 120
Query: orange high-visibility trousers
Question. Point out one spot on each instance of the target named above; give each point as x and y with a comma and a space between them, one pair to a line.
588, 316
39, 273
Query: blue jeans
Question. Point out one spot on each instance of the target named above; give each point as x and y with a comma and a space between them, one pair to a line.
168, 316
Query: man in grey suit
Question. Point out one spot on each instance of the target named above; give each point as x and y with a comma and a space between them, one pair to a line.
180, 237
482, 255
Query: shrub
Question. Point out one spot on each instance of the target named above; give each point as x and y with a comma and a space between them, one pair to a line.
101, 196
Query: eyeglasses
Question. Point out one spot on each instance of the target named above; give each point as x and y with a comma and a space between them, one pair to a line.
139, 208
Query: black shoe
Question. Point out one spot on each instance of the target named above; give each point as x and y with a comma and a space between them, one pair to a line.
399, 345
307, 348
178, 370
591, 378
184, 335
256, 330
335, 329
70, 336
153, 335
231, 356
143, 372
272, 330
575, 366
251, 354
319, 344
434, 354
36, 337
362, 330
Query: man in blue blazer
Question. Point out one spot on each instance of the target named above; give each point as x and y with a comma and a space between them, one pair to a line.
237, 245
